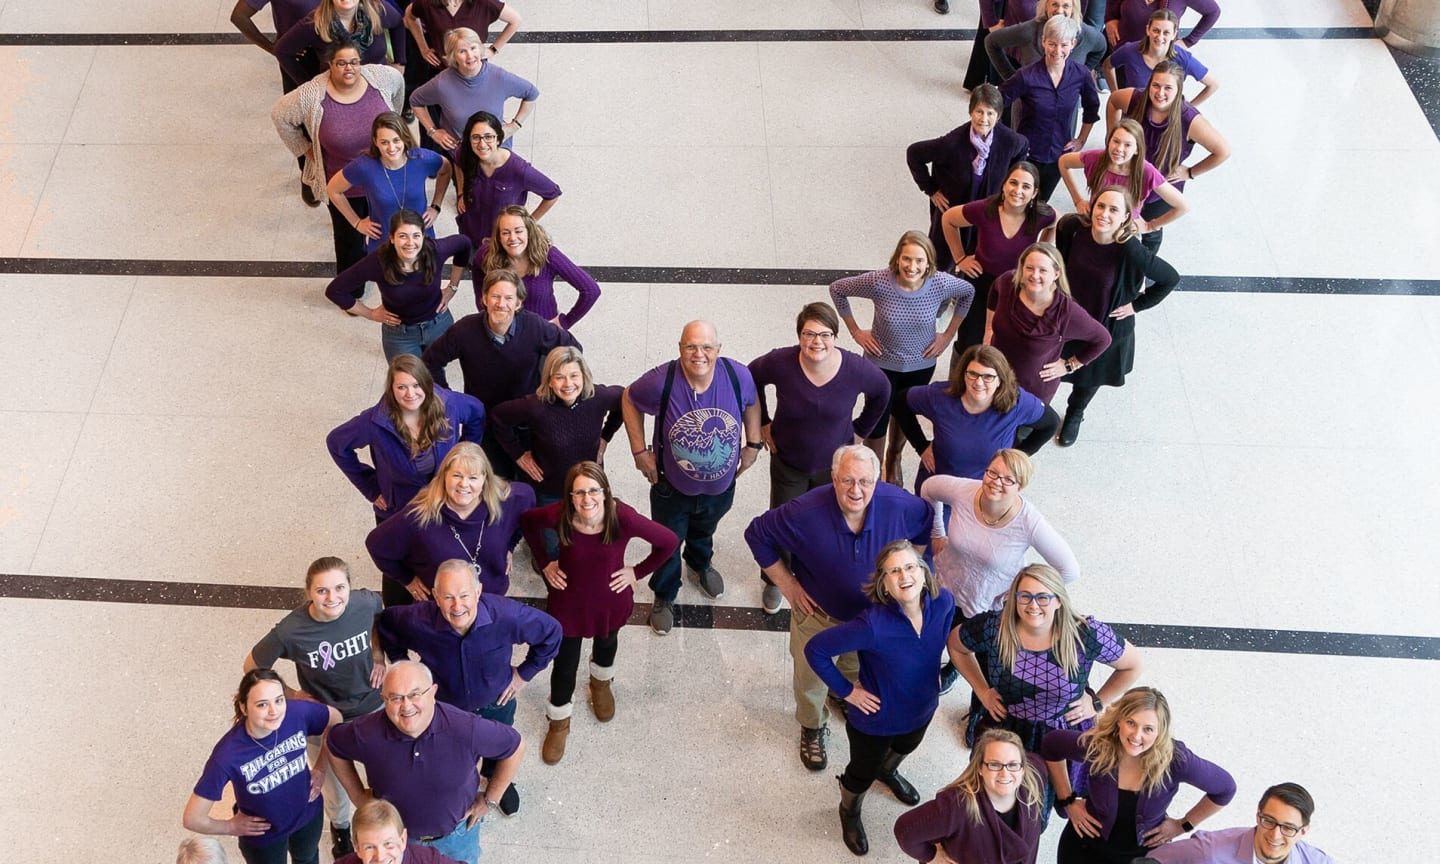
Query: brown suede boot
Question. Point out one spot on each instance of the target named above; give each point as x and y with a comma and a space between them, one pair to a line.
602, 699
553, 750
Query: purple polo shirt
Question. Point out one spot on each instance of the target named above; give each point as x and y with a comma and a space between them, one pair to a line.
472, 669
1049, 115
832, 562
431, 778
700, 433
414, 854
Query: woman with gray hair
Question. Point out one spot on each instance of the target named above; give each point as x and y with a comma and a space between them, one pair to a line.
471, 84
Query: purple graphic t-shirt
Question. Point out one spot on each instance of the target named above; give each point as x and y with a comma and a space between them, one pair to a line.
700, 433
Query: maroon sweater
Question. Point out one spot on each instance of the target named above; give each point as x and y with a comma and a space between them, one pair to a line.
1029, 341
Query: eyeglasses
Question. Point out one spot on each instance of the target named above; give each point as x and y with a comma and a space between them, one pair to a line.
852, 482
908, 569
596, 492
990, 475
987, 377
1270, 825
1025, 598
395, 700
814, 335
698, 348
1012, 767
487, 138
344, 64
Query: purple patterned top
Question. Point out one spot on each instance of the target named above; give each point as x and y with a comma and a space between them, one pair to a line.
904, 322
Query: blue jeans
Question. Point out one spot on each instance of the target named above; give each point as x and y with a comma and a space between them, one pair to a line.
399, 339
552, 539
500, 714
303, 846
462, 844
694, 519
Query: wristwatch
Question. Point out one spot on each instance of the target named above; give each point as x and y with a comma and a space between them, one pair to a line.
754, 445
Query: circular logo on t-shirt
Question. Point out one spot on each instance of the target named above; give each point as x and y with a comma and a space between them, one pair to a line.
704, 442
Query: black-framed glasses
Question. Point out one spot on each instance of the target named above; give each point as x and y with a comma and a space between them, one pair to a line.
1007, 482
487, 138
1270, 824
344, 64
997, 767
821, 335
987, 377
1043, 599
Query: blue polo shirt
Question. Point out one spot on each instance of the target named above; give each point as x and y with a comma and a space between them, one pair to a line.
896, 664
832, 562
432, 778
472, 669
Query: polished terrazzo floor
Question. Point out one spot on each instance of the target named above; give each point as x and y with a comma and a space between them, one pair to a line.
1265, 484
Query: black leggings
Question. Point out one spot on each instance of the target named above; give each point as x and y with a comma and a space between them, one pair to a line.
1080, 396
900, 383
1075, 849
1049, 179
349, 243
1031, 438
1154, 210
972, 328
567, 663
868, 751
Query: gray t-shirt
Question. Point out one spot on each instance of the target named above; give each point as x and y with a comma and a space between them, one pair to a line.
332, 659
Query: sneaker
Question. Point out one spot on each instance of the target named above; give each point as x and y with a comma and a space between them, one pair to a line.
771, 599
948, 676
710, 582
340, 844
662, 618
510, 801
812, 748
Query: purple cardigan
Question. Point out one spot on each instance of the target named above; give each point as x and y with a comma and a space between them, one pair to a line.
1150, 807
392, 471
540, 287
945, 820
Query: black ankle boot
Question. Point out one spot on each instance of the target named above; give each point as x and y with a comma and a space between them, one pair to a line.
340, 844
890, 775
851, 828
1070, 429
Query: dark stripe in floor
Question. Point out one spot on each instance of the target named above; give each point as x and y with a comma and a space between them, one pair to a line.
712, 617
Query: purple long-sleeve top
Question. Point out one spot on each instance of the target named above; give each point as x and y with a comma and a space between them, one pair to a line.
1133, 15
459, 97
472, 668
496, 372
810, 422
1150, 807
1030, 341
946, 820
540, 287
1049, 118
403, 550
299, 50
511, 183
393, 471
561, 436
414, 299
831, 562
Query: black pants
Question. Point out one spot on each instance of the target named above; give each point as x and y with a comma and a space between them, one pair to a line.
1075, 849
1031, 438
900, 383
868, 751
349, 243
972, 327
1154, 210
979, 71
1080, 396
567, 663
1049, 179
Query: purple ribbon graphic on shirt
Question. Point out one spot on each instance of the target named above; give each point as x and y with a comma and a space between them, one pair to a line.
326, 660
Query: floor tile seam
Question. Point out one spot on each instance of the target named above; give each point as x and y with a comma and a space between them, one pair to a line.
79, 91
769, 171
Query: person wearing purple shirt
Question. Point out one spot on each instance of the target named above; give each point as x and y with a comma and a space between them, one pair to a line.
490, 178
391, 176
1281, 819
381, 838
466, 638
818, 550
1125, 19
697, 453
1130, 64
408, 433
500, 350
1048, 91
470, 84
1109, 823
464, 512
373, 25
816, 388
414, 310
897, 639
424, 758
428, 21
262, 758
518, 243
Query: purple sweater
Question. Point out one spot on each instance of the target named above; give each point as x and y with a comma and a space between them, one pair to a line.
414, 300
560, 436
1133, 15
403, 550
496, 372
946, 821
511, 183
1029, 341
811, 422
459, 97
540, 287
1186, 767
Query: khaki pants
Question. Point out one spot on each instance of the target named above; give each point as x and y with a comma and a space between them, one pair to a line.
338, 808
810, 690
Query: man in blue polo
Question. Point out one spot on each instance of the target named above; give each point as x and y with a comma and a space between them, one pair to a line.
424, 757
467, 639
833, 534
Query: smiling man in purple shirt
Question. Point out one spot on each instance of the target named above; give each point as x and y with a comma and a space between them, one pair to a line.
1282, 818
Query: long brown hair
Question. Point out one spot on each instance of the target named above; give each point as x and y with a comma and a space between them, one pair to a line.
537, 242
1128, 228
1135, 171
390, 259
466, 456
970, 784
610, 523
1007, 389
395, 123
434, 425
1172, 139
1157, 15
1035, 212
248, 682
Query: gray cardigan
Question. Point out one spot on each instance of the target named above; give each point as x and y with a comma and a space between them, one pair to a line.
297, 115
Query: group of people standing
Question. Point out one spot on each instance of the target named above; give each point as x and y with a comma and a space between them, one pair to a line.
403, 720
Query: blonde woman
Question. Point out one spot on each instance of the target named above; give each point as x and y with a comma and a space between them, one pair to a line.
465, 512
1135, 767
519, 244
470, 84
992, 814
